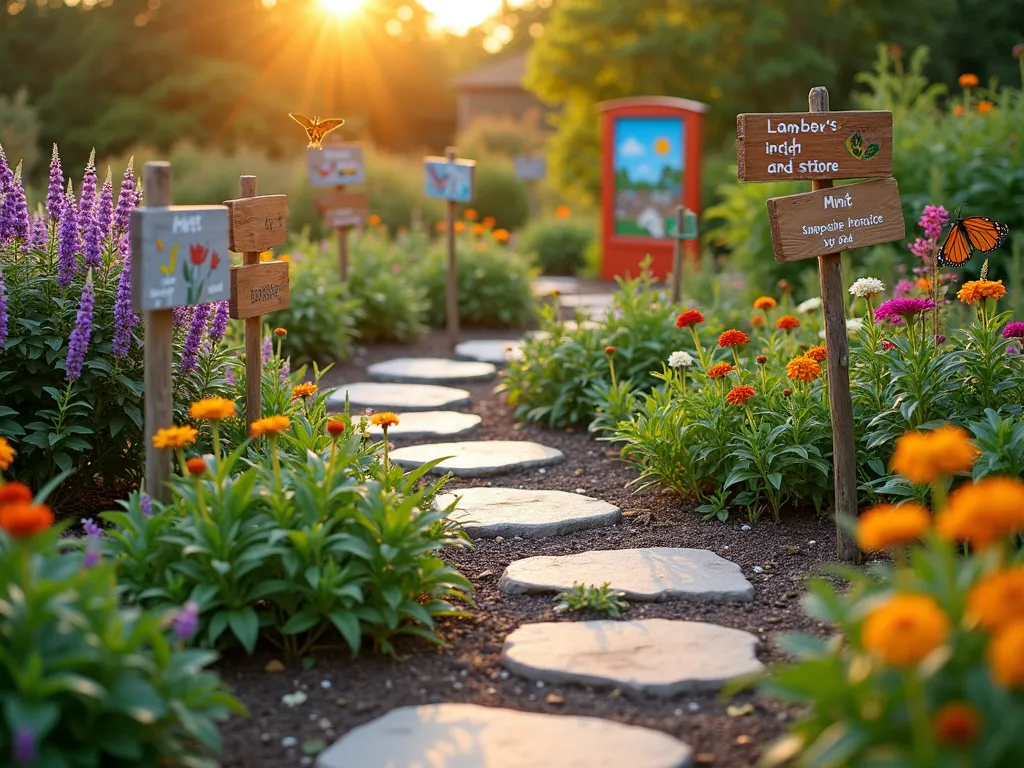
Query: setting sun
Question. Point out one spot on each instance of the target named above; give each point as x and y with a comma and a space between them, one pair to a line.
342, 8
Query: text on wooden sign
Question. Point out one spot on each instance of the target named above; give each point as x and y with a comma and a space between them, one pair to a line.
258, 223
259, 289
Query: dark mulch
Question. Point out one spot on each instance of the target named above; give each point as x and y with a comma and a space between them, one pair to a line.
343, 694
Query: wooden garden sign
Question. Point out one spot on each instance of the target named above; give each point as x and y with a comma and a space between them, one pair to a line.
256, 224
450, 179
339, 165
824, 146
179, 258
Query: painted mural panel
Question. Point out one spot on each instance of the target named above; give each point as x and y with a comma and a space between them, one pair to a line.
648, 163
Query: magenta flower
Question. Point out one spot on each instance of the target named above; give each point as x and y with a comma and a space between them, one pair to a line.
79, 343
187, 621
190, 355
125, 318
922, 248
67, 240
3, 311
1014, 330
887, 345
902, 288
901, 308
934, 218
55, 191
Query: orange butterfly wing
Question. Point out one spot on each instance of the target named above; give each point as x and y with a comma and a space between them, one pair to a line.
323, 127
956, 250
984, 234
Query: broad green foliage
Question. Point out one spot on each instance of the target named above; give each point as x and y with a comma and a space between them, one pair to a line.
498, 193
559, 246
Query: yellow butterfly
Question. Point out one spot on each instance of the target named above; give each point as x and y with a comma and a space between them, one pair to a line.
169, 269
316, 128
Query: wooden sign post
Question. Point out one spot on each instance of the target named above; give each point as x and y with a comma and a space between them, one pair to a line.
685, 229
179, 258
451, 179
531, 169
257, 224
339, 165
824, 146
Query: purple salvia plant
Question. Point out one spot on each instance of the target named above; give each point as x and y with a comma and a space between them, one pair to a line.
67, 240
90, 220
90, 527
24, 750
220, 322
190, 355
105, 207
182, 316
145, 505
125, 203
125, 318
187, 621
55, 191
6, 174
267, 349
16, 222
78, 346
87, 201
3, 311
40, 232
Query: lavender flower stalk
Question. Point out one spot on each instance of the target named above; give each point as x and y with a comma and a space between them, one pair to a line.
87, 203
90, 216
92, 555
24, 750
67, 240
125, 318
125, 200
187, 621
55, 192
220, 322
105, 207
146, 505
6, 175
79, 344
190, 355
182, 316
15, 214
3, 311
39, 233
90, 527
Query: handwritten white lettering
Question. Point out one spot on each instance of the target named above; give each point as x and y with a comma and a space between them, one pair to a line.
187, 224
804, 126
843, 201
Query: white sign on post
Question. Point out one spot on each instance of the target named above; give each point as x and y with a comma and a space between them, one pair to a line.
337, 165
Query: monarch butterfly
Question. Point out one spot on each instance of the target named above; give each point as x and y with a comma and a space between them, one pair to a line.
975, 233
316, 128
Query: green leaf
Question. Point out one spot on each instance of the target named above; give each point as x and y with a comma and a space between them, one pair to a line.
348, 625
871, 151
245, 625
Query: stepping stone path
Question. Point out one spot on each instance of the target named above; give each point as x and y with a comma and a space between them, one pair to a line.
647, 575
655, 656
471, 736
545, 286
479, 458
419, 425
489, 512
430, 370
599, 301
397, 397
495, 351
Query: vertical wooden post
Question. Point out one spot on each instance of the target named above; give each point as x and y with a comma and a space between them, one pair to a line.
343, 251
452, 304
253, 332
159, 329
833, 301
677, 257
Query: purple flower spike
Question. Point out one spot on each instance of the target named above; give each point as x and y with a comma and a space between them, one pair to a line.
24, 750
286, 370
182, 316
67, 243
125, 318
187, 621
105, 207
89, 526
6, 174
16, 221
220, 322
40, 233
146, 505
79, 344
87, 202
55, 192
900, 308
1012, 351
190, 355
92, 555
268, 349
125, 200
91, 220
230, 378
933, 219
1014, 330
3, 311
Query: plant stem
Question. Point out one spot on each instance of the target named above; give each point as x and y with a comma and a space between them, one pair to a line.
924, 747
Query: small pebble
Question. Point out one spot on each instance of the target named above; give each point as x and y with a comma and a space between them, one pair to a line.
289, 741
758, 569
323, 723
678, 713
499, 539
294, 699
457, 685
504, 674
341, 702
274, 666
492, 691
517, 538
325, 684
554, 698
266, 738
744, 527
307, 760
704, 758
484, 574
542, 471
540, 683
812, 542
581, 490
742, 739
693, 706
388, 684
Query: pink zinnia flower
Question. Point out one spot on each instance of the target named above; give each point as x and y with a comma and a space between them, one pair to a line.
1014, 330
902, 308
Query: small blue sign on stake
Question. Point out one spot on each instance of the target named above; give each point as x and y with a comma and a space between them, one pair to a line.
452, 181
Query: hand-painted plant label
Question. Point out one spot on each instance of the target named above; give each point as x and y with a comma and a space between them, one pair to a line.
180, 256
336, 165
450, 181
531, 167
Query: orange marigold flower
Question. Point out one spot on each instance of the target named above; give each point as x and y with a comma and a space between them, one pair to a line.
15, 493
1006, 654
719, 369
501, 235
271, 425
765, 303
335, 427
739, 395
563, 212
22, 519
985, 106
887, 526
174, 437
923, 284
7, 454
196, 466
460, 227
373, 220
984, 512
489, 222
212, 409
757, 321
689, 318
787, 392
957, 723
471, 215
997, 599
732, 338
280, 331
609, 351
303, 390
803, 368
384, 420
787, 323
479, 229
967, 80
905, 629
760, 359
921, 457
441, 226
817, 353
976, 290
267, 256
958, 110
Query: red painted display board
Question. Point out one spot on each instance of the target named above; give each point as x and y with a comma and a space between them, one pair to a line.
651, 156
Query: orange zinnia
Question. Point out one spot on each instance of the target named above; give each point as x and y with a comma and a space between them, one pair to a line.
968, 80
984, 107
957, 723
501, 235
384, 420
764, 303
887, 526
803, 368
7, 454
22, 519
471, 214
905, 629
719, 369
271, 425
787, 323
739, 395
15, 493
689, 318
732, 338
563, 212
196, 466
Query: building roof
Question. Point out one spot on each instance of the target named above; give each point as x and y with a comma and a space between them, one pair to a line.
508, 72
654, 101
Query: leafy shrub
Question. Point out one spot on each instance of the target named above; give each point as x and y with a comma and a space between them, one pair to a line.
499, 193
601, 599
393, 305
503, 136
558, 245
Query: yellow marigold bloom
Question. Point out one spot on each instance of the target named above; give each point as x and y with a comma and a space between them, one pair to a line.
285, 257
958, 110
984, 512
957, 723
803, 368
479, 229
386, 419
985, 106
905, 629
489, 222
887, 526
267, 256
174, 437
997, 599
212, 409
303, 390
922, 457
818, 353
1006, 655
765, 303
967, 80
976, 290
271, 425
7, 454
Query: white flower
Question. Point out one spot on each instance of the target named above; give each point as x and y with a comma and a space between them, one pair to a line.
811, 305
866, 286
854, 325
680, 360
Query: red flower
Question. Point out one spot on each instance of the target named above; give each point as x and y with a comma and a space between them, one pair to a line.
887, 345
733, 338
689, 318
787, 323
609, 351
215, 260
197, 254
739, 395
719, 369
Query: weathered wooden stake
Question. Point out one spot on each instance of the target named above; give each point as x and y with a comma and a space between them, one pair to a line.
833, 301
452, 302
253, 332
159, 328
677, 257
343, 249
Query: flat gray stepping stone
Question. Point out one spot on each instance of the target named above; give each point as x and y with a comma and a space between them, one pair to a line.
478, 458
471, 736
588, 300
545, 286
430, 370
489, 512
655, 656
648, 575
495, 351
418, 425
397, 397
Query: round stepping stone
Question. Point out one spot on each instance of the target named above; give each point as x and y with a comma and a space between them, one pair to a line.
588, 300
472, 736
430, 370
655, 656
495, 351
397, 397
648, 575
419, 425
478, 458
545, 286
489, 512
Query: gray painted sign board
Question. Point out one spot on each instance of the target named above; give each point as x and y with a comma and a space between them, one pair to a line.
336, 165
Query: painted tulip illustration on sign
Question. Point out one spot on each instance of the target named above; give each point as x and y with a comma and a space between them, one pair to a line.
198, 271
